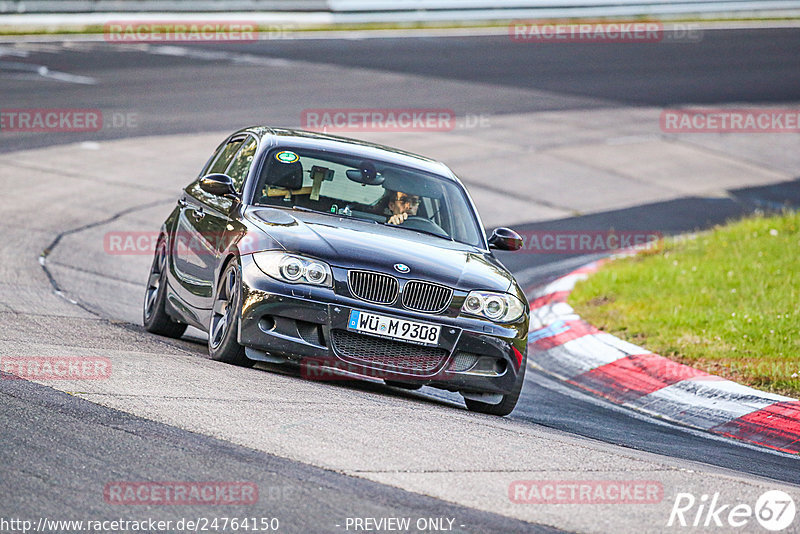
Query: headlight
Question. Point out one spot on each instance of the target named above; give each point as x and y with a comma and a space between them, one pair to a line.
293, 268
498, 307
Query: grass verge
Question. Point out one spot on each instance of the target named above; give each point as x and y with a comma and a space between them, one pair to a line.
725, 301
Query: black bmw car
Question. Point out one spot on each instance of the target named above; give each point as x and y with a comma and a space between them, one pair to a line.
334, 253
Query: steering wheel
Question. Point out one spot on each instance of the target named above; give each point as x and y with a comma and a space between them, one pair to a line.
416, 222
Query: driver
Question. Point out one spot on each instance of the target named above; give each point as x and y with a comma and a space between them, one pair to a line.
402, 206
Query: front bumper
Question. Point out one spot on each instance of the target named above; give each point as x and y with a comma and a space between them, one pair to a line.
309, 325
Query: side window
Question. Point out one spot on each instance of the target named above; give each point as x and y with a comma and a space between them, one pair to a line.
225, 157
212, 159
240, 165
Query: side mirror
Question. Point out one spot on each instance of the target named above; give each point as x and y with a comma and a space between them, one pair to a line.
219, 185
505, 239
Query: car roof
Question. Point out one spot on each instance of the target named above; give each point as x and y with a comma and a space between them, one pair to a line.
322, 141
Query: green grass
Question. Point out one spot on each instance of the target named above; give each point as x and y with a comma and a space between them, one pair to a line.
725, 301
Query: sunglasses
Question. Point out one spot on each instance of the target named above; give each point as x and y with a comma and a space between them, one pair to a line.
414, 201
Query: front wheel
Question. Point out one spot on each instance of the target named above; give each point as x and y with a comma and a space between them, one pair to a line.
223, 345
506, 406
154, 313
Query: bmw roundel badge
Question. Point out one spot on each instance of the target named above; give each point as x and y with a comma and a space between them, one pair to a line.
401, 268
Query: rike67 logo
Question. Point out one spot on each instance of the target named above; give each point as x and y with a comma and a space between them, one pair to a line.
774, 510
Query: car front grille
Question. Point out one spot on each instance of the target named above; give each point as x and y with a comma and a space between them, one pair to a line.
426, 297
373, 287
387, 354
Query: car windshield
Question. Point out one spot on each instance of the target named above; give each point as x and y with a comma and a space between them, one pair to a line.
344, 185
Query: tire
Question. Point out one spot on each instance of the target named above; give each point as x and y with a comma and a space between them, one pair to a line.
154, 313
506, 406
222, 343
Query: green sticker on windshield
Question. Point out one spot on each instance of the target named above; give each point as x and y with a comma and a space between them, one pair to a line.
286, 157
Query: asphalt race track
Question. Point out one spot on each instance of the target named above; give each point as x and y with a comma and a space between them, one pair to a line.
572, 130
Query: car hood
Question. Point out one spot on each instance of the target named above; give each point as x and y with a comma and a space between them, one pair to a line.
351, 243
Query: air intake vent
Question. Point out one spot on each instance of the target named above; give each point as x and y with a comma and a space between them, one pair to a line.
386, 354
426, 297
373, 287
464, 361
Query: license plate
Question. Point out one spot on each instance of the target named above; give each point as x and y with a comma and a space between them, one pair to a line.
391, 327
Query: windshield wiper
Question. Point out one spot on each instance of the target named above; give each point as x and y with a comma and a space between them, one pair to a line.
441, 236
309, 210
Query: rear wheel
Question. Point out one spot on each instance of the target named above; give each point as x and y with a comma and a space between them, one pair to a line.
154, 314
506, 406
223, 345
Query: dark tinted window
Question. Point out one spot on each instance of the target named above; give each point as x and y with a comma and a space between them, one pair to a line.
212, 159
241, 163
224, 158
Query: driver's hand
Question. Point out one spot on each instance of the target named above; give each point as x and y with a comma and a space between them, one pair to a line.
397, 219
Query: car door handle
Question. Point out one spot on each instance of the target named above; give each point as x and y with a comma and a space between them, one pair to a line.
198, 213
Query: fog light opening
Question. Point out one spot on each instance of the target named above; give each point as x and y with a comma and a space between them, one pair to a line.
486, 366
266, 323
